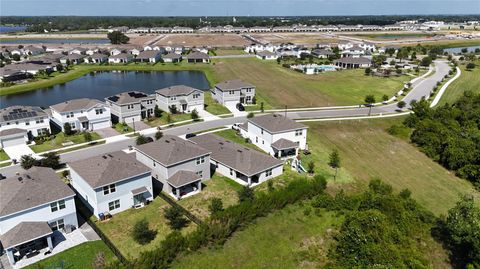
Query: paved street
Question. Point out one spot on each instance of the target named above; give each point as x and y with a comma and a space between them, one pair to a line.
421, 87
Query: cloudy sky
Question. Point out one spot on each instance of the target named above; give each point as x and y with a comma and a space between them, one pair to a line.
236, 7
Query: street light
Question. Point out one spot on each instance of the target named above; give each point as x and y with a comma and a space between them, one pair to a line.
133, 124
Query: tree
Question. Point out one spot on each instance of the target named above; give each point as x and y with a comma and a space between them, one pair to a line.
99, 261
157, 112
250, 115
141, 233
117, 37
158, 135
261, 107
401, 105
402, 54
51, 160
141, 139
173, 109
67, 129
245, 193
216, 205
194, 115
27, 161
254, 100
426, 61
169, 118
470, 66
175, 218
385, 98
87, 136
368, 71
311, 167
370, 100
16, 57
334, 161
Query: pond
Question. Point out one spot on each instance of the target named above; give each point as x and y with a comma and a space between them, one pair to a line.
9, 29
100, 85
459, 50
24, 41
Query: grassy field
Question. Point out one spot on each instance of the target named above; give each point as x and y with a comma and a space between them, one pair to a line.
468, 81
213, 107
275, 241
119, 228
79, 257
60, 138
367, 152
229, 51
122, 129
3, 155
154, 122
217, 187
279, 86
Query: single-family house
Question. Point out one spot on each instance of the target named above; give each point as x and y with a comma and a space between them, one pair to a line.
82, 114
91, 51
130, 106
162, 49
278, 135
160, 30
72, 59
121, 58
198, 57
244, 165
79, 51
149, 56
182, 30
354, 51
201, 49
232, 92
353, 62
178, 166
322, 53
266, 55
35, 207
33, 51
172, 58
135, 51
184, 98
19, 124
96, 58
111, 183
115, 51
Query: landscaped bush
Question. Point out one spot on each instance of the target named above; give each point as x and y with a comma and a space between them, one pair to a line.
141, 233
175, 218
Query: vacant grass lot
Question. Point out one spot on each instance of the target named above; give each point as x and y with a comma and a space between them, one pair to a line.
60, 138
279, 86
3, 155
119, 228
367, 152
217, 187
155, 122
213, 107
468, 81
79, 257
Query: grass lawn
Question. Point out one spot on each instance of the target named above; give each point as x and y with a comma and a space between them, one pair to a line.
235, 137
468, 81
154, 122
61, 138
5, 164
279, 240
367, 151
214, 107
217, 187
119, 228
279, 86
228, 51
79, 257
3, 155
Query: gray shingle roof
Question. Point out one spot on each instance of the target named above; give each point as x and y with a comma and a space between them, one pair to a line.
244, 160
13, 113
76, 104
276, 123
176, 90
182, 178
265, 53
322, 52
147, 54
198, 55
353, 60
172, 55
283, 143
129, 97
235, 84
109, 168
25, 232
170, 150
74, 56
12, 131
34, 187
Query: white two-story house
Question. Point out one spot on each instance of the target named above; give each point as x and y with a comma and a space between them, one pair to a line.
279, 136
111, 183
33, 205
184, 98
18, 124
178, 166
131, 106
82, 114
232, 92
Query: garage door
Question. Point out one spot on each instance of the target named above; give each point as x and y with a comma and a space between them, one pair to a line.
231, 103
14, 141
101, 125
129, 120
197, 107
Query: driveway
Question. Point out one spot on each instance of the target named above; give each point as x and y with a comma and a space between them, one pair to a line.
16, 152
107, 132
207, 116
139, 125
235, 111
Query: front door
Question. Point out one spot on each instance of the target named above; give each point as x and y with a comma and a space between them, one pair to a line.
184, 107
138, 199
85, 125
242, 100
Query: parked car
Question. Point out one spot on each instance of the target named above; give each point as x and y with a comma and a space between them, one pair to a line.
240, 107
190, 135
236, 126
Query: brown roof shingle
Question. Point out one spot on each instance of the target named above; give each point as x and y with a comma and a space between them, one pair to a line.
25, 232
276, 123
235, 84
76, 104
176, 90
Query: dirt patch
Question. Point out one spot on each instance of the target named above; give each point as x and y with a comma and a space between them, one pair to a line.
297, 38
214, 40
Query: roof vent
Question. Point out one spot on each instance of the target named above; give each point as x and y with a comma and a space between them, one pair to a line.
110, 155
105, 157
167, 141
239, 151
20, 179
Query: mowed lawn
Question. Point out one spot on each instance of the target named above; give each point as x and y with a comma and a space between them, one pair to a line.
275, 241
367, 151
468, 81
79, 257
280, 86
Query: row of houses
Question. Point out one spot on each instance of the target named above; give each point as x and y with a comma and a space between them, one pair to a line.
20, 124
37, 207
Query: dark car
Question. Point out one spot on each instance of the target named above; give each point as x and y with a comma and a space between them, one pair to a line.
240, 107
187, 136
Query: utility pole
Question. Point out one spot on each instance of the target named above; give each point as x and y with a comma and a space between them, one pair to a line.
133, 123
285, 111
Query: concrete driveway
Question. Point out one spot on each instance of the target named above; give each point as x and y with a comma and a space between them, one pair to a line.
16, 152
207, 116
107, 132
139, 125
235, 111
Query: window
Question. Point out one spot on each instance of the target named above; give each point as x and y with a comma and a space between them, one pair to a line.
256, 139
27, 122
70, 115
173, 98
298, 132
109, 189
200, 173
57, 225
16, 122
154, 164
42, 131
98, 111
268, 172
72, 124
59, 205
196, 96
231, 92
39, 120
249, 90
231, 171
261, 131
149, 102
201, 160
130, 106
248, 98
114, 205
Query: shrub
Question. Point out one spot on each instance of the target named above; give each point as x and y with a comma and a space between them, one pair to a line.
175, 217
194, 115
250, 115
27, 161
157, 112
216, 205
245, 193
87, 136
470, 66
141, 139
67, 129
141, 233
311, 167
51, 160
173, 109
158, 135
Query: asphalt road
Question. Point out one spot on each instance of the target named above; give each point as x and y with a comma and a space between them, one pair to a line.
420, 88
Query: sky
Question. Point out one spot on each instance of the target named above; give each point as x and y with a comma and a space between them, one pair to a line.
235, 7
